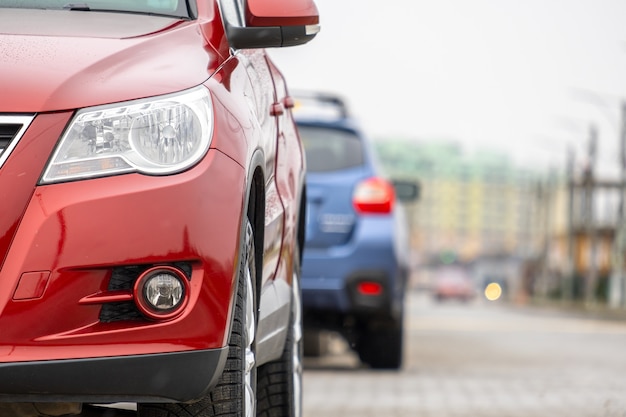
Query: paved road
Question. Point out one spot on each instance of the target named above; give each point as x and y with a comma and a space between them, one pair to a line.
480, 359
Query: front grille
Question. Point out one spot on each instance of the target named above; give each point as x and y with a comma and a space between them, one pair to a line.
123, 311
122, 279
7, 133
11, 130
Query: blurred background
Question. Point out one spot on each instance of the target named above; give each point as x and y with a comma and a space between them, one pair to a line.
509, 114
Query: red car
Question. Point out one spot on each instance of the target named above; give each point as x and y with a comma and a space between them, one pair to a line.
152, 207
453, 283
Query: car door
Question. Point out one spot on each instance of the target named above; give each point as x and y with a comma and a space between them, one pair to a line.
289, 162
264, 98
274, 294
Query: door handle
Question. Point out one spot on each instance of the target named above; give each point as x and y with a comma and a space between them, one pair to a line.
277, 109
289, 102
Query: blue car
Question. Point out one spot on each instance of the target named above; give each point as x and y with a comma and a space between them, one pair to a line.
356, 255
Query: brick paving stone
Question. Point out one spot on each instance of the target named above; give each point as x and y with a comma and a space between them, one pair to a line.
470, 362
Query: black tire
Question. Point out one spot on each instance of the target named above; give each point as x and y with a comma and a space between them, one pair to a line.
381, 344
235, 393
280, 382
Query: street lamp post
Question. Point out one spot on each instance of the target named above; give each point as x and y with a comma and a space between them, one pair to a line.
589, 181
617, 279
568, 284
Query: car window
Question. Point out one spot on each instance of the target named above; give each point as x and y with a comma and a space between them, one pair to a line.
176, 8
330, 149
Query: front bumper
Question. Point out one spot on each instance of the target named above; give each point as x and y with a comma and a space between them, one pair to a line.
171, 377
62, 244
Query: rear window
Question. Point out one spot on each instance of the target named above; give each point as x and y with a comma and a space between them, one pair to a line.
330, 150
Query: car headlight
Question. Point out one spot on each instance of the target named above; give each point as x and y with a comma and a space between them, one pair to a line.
154, 136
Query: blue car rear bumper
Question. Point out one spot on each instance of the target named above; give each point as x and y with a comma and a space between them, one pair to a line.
330, 276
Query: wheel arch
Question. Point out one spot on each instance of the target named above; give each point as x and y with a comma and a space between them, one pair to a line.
301, 237
254, 210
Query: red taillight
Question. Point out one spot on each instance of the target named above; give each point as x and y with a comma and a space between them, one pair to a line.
374, 195
369, 288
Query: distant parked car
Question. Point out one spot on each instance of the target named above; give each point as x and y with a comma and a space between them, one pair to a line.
453, 283
355, 261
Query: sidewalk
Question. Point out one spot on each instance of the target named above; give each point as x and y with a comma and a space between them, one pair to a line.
600, 311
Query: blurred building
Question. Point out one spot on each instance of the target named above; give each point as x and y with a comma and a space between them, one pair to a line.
474, 205
583, 251
553, 232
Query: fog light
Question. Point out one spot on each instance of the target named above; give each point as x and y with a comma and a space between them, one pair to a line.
161, 293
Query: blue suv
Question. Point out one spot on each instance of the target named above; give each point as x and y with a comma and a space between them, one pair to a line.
356, 256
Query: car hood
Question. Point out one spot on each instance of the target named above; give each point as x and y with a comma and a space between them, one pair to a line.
58, 60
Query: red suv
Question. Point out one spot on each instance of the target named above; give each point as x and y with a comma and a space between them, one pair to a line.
152, 207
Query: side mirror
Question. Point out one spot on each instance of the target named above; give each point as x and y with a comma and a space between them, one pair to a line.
272, 23
406, 191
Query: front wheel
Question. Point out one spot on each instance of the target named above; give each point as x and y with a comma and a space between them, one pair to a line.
235, 393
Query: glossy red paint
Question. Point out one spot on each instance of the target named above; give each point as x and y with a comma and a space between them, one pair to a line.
31, 285
108, 69
21, 172
80, 230
281, 13
71, 251
290, 165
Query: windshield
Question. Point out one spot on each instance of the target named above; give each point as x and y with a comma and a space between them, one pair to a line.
176, 8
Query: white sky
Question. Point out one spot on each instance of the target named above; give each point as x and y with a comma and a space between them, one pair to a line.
528, 77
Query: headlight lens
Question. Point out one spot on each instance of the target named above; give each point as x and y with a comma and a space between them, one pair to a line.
155, 136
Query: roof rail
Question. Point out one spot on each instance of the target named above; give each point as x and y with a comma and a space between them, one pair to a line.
322, 99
